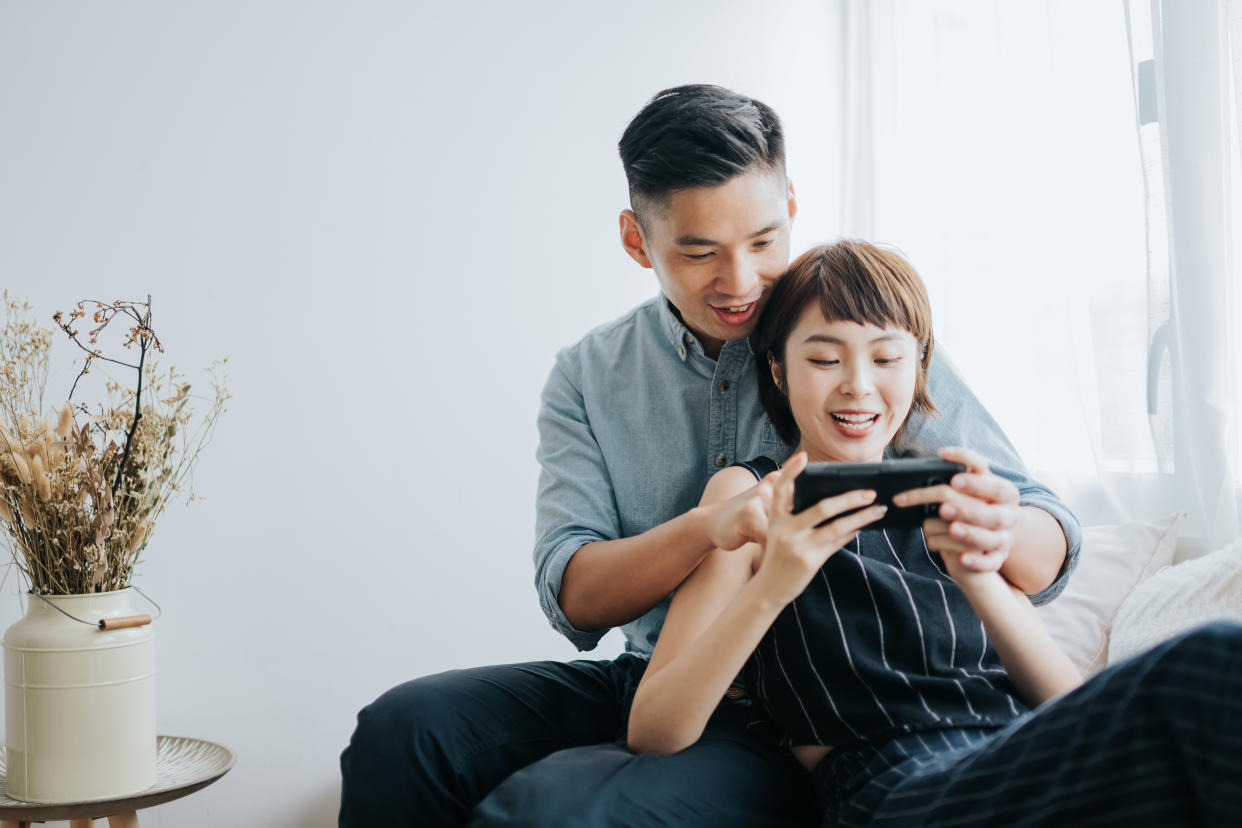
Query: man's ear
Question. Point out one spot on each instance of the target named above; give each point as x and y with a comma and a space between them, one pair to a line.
632, 238
793, 202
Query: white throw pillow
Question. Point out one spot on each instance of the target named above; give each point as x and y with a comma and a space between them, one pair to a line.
1112, 562
1174, 600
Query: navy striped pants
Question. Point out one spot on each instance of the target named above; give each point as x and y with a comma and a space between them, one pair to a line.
1153, 741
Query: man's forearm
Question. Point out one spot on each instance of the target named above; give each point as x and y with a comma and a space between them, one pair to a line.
609, 583
1038, 551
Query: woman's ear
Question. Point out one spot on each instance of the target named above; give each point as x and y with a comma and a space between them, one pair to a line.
777, 375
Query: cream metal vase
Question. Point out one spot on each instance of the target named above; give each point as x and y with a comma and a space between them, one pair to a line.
79, 699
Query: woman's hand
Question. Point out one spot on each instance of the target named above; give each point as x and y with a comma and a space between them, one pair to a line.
796, 545
978, 511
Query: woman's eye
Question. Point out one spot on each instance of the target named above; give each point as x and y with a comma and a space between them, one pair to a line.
823, 361
888, 361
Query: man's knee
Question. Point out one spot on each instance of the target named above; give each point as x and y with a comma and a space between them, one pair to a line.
411, 716
396, 766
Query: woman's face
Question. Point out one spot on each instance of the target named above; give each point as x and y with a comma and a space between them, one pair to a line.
850, 386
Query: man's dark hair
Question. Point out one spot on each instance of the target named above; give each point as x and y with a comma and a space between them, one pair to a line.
695, 136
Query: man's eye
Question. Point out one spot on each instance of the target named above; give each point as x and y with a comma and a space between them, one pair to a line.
764, 243
698, 257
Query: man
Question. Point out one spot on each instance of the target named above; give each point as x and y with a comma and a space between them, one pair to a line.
634, 420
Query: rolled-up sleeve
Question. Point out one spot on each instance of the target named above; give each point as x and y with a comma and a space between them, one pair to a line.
963, 421
575, 504
1036, 495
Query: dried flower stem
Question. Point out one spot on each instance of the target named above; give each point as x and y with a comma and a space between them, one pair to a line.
78, 507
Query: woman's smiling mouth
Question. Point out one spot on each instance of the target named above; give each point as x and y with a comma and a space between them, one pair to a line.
855, 423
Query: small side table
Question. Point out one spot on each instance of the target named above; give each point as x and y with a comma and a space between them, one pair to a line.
182, 766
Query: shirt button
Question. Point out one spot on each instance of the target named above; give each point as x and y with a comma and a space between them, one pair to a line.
688, 339
721, 460
681, 352
723, 385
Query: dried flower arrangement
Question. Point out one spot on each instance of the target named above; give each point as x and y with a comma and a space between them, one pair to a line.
79, 495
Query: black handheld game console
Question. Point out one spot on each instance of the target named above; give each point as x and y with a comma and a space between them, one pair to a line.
821, 480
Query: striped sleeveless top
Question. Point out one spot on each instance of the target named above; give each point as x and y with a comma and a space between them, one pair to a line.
881, 643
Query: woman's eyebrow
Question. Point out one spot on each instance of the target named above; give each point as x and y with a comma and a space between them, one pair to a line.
832, 340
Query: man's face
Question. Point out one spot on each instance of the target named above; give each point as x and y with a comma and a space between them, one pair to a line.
716, 251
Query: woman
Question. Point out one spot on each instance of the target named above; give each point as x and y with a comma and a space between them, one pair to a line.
860, 639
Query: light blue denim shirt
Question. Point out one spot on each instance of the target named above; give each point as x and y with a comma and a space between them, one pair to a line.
635, 418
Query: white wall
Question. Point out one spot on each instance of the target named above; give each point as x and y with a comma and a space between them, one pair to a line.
389, 216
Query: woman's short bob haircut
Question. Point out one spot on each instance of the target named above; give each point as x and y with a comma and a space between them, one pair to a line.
852, 281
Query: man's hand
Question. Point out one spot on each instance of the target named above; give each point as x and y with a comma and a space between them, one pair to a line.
743, 518
978, 511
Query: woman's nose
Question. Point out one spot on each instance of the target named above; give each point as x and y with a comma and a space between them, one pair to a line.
857, 381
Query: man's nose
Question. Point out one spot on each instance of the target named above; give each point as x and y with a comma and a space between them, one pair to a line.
738, 276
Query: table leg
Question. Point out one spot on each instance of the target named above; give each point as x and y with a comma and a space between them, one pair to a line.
10, 824
81, 823
126, 820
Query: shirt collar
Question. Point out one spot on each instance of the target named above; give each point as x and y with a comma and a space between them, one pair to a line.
679, 336
682, 338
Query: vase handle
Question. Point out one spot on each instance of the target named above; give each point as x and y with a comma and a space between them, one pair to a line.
124, 621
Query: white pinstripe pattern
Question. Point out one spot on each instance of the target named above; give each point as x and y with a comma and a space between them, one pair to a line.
896, 557
919, 624
953, 654
939, 567
848, 656
880, 625
1157, 768
1056, 749
953, 628
1141, 761
918, 621
780, 664
1093, 757
983, 653
810, 662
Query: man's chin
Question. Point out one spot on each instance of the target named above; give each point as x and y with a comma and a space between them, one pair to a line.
729, 333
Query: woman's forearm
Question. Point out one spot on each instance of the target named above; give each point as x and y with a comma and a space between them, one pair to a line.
672, 705
1035, 664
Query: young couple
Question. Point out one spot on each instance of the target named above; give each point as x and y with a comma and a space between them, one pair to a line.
897, 666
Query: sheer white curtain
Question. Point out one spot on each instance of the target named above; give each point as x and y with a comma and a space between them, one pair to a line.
1059, 172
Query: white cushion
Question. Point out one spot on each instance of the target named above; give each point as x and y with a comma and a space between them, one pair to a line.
1178, 598
1112, 562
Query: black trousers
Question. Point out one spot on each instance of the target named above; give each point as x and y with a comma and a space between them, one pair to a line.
1153, 741
543, 744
